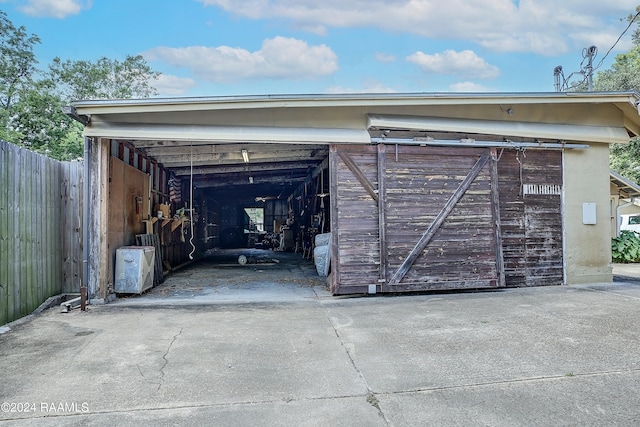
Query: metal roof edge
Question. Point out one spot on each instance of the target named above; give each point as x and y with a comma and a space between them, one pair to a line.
627, 183
355, 99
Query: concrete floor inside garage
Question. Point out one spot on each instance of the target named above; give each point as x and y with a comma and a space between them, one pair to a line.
219, 277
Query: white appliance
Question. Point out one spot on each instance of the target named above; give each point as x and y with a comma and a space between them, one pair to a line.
134, 269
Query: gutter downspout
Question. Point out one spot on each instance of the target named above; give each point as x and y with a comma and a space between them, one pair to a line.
85, 224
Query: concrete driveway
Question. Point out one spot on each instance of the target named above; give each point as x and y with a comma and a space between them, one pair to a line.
538, 356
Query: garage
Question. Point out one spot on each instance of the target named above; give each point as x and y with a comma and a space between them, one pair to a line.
414, 192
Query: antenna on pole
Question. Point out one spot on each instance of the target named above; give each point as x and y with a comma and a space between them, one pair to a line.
590, 54
558, 76
561, 83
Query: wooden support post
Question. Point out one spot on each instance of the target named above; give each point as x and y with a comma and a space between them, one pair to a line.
99, 259
333, 206
495, 212
382, 213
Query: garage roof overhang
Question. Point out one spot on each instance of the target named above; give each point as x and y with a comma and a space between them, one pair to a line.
626, 188
222, 134
207, 136
513, 129
347, 118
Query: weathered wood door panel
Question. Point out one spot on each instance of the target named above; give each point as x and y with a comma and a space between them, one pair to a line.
531, 218
409, 218
440, 225
354, 218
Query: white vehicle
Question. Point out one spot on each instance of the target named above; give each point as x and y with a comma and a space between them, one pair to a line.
630, 222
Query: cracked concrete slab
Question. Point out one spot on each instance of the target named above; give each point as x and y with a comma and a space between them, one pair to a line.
347, 412
537, 356
477, 338
597, 399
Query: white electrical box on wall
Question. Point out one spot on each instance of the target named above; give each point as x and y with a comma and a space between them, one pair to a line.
134, 269
589, 213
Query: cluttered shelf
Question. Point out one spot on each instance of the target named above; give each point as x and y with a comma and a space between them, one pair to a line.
163, 222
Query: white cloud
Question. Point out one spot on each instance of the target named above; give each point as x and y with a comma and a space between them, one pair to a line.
541, 26
278, 58
55, 8
384, 57
168, 85
468, 87
465, 63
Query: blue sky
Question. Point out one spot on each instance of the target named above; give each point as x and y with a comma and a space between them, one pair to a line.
244, 47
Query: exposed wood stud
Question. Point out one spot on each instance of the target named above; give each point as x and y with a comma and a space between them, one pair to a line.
495, 211
382, 213
334, 215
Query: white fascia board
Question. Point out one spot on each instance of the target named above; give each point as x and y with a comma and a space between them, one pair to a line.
121, 106
547, 131
226, 133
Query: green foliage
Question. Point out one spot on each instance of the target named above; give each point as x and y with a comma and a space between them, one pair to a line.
17, 60
104, 79
636, 33
626, 247
31, 100
625, 159
37, 120
624, 75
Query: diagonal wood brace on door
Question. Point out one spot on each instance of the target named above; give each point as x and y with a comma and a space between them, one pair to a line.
439, 220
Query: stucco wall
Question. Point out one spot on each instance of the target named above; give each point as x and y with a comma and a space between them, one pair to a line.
587, 247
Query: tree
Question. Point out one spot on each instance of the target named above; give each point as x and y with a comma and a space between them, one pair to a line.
38, 123
17, 60
104, 79
625, 159
624, 75
31, 100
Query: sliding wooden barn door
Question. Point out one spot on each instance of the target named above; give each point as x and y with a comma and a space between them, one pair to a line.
411, 218
442, 224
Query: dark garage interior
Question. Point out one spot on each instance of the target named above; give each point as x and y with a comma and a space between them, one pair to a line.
250, 201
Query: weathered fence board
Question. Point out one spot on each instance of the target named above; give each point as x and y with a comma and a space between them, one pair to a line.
72, 190
40, 229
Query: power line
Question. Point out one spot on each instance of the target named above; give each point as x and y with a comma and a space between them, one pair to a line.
562, 82
617, 41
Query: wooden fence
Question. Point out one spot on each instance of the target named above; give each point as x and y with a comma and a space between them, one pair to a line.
40, 229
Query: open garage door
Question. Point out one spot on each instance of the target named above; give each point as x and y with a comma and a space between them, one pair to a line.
242, 195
